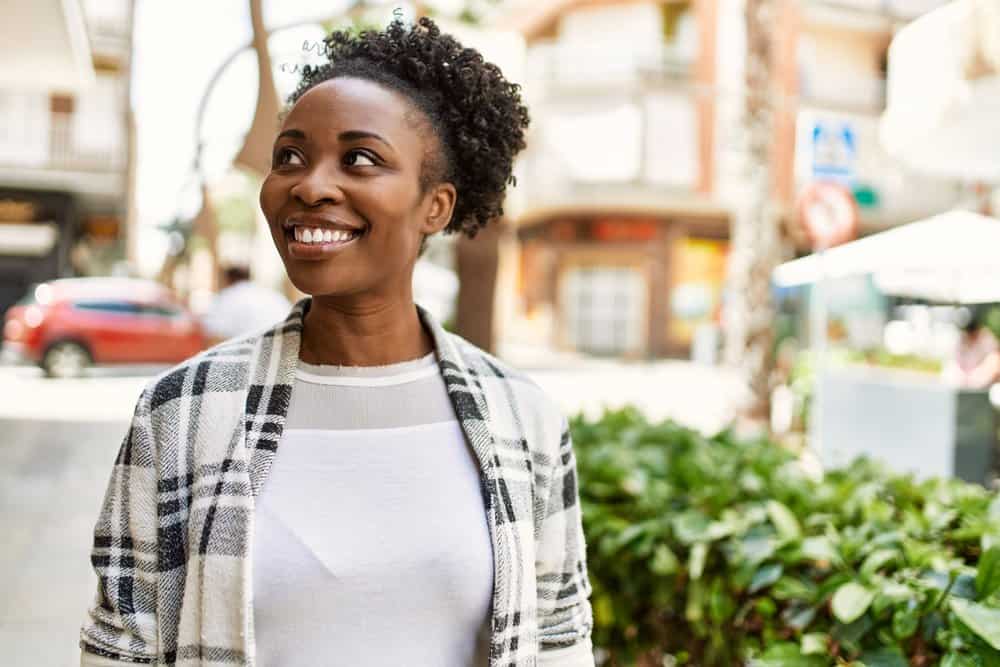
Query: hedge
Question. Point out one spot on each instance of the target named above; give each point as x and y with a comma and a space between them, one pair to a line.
721, 551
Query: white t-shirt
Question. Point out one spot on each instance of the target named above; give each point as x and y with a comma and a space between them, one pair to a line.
371, 544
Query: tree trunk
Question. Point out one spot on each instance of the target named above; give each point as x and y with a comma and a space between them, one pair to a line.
757, 246
476, 263
256, 151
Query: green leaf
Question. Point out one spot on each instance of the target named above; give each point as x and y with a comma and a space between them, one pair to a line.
815, 643
757, 549
887, 656
786, 654
851, 601
819, 549
877, 560
784, 521
690, 527
604, 610
696, 561
988, 575
664, 561
984, 621
765, 576
959, 660
906, 620
799, 616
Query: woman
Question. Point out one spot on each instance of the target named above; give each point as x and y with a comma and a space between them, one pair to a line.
354, 486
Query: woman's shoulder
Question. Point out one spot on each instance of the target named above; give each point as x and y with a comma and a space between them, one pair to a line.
222, 367
504, 383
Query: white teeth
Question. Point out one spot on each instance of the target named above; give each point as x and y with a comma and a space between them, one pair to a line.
304, 235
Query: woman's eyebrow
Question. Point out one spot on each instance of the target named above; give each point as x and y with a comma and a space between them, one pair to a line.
356, 135
293, 134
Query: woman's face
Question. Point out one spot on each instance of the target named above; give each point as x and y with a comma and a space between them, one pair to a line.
346, 170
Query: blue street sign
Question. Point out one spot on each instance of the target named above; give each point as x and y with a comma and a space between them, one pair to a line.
834, 152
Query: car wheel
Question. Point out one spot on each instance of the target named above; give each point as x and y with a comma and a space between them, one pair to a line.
65, 360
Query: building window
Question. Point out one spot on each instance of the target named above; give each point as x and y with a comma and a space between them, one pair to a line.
604, 309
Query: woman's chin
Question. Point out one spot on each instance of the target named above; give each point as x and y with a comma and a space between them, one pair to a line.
315, 287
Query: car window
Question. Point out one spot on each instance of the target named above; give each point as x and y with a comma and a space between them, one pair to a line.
29, 298
107, 306
160, 310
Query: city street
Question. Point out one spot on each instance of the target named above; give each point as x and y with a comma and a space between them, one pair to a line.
59, 438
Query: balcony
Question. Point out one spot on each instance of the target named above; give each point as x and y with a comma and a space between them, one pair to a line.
866, 15
67, 152
842, 91
613, 150
61, 151
109, 27
570, 70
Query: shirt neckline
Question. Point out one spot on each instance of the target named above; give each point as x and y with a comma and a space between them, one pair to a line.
359, 376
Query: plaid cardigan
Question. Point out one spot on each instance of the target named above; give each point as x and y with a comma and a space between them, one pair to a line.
172, 543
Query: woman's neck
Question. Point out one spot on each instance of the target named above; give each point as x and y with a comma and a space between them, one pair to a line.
363, 335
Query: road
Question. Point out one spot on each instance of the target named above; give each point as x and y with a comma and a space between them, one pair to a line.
59, 438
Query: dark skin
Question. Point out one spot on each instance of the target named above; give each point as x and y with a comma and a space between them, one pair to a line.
328, 168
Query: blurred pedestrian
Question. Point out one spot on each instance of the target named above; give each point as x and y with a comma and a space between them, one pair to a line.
977, 359
242, 306
355, 486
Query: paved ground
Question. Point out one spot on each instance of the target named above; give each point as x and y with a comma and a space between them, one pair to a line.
59, 438
52, 480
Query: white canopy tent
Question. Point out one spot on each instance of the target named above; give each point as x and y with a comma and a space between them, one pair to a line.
943, 113
953, 257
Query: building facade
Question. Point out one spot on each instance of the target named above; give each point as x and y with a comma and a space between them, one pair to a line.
65, 141
625, 190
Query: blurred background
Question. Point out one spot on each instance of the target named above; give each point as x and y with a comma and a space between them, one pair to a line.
771, 216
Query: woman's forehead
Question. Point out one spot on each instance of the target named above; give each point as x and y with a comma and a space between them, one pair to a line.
359, 103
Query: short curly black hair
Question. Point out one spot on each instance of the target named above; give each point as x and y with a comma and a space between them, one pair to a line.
477, 115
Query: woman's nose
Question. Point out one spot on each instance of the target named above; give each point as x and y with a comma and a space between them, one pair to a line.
318, 186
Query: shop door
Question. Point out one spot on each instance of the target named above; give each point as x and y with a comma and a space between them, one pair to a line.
604, 310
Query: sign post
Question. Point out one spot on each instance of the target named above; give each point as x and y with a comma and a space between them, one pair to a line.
829, 215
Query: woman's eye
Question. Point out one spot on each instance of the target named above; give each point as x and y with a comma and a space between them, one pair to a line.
285, 156
359, 159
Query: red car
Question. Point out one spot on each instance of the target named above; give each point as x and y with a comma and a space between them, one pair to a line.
66, 325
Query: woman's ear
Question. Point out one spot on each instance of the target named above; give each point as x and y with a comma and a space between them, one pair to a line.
442, 206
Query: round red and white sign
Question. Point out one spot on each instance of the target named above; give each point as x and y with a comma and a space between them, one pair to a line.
829, 214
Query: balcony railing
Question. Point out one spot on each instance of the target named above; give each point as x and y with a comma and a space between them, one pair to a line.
564, 68
845, 92
66, 153
888, 11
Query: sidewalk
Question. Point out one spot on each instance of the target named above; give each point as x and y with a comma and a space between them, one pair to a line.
702, 397
698, 396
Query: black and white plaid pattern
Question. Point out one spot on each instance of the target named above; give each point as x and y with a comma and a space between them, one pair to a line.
173, 540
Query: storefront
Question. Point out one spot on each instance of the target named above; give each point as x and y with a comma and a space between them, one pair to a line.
625, 285
47, 234
37, 232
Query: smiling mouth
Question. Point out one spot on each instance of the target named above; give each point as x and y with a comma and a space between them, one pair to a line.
319, 237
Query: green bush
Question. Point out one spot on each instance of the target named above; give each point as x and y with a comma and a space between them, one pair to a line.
717, 551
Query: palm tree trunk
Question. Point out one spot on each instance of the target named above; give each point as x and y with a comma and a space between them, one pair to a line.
757, 246
476, 264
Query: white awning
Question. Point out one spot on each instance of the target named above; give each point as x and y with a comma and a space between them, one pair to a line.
943, 113
44, 46
35, 239
953, 257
